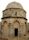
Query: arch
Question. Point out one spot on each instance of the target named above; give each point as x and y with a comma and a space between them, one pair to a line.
16, 24
16, 21
5, 22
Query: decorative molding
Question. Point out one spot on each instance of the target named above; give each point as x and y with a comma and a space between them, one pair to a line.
14, 8
13, 17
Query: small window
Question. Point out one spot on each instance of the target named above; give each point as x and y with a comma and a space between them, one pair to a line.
16, 32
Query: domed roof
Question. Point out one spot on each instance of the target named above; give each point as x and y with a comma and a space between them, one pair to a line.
14, 5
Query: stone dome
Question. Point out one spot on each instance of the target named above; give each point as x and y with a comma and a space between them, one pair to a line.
14, 5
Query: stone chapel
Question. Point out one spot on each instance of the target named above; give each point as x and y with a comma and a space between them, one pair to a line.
14, 25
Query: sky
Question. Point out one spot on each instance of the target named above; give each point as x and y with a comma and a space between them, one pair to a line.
24, 3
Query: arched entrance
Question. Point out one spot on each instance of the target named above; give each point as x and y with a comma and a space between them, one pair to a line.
16, 31
17, 28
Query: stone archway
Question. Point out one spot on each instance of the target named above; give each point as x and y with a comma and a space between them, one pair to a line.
16, 24
17, 28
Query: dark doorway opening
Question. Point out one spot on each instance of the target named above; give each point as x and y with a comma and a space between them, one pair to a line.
16, 32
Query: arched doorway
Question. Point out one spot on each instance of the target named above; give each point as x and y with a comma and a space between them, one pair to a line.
16, 26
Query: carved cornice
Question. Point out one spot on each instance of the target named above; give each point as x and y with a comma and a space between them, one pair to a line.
13, 17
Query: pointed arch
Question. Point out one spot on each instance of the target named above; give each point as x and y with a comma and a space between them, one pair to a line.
16, 21
16, 24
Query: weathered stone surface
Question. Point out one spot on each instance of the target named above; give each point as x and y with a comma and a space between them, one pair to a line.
14, 5
14, 17
14, 13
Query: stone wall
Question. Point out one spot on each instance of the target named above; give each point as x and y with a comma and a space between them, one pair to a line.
12, 23
14, 13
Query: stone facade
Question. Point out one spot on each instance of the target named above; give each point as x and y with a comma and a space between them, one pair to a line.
14, 24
